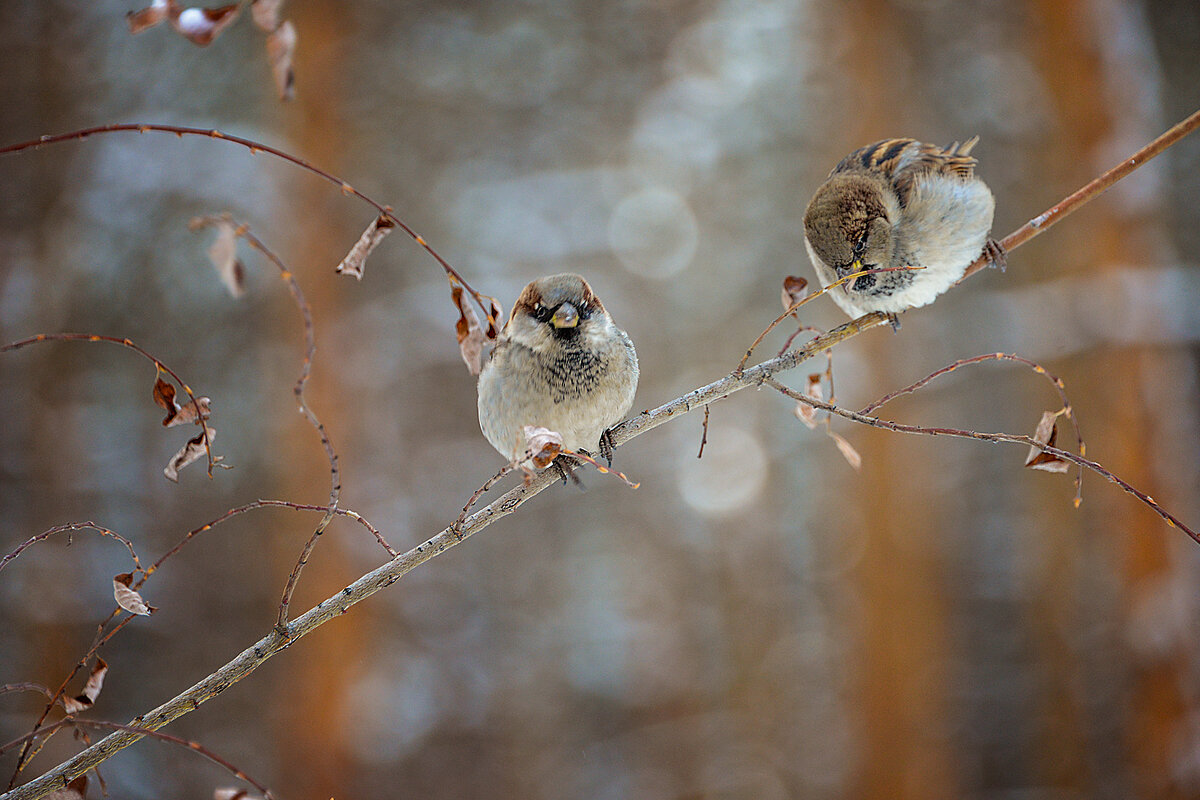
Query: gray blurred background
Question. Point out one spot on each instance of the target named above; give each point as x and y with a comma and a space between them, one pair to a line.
762, 623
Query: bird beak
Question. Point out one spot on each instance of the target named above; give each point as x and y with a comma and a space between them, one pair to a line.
567, 316
856, 266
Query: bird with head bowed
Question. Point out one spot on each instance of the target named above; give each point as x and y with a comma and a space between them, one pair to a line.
914, 209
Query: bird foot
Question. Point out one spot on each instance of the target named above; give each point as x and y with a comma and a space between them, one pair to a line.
996, 253
565, 466
607, 446
894, 321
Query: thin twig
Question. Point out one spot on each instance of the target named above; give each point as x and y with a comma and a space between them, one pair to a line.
102, 636
26, 686
791, 310
456, 526
194, 746
258, 147
71, 527
1037, 368
1029, 441
310, 352
233, 512
1088, 192
91, 337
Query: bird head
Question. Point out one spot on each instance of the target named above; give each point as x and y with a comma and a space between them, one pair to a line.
848, 225
557, 310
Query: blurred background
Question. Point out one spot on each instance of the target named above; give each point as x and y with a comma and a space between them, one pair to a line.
762, 623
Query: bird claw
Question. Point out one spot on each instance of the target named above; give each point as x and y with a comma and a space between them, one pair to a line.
607, 446
996, 254
894, 320
565, 466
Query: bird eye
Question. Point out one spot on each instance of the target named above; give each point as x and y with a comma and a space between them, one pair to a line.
541, 313
859, 246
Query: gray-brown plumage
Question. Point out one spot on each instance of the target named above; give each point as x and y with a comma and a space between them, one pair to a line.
560, 364
899, 203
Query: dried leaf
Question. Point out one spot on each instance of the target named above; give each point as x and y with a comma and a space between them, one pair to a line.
281, 45
848, 452
468, 329
187, 412
494, 315
793, 290
164, 396
266, 14
202, 25
127, 598
75, 790
234, 794
542, 444
1046, 434
148, 17
223, 255
803, 411
192, 450
91, 690
354, 261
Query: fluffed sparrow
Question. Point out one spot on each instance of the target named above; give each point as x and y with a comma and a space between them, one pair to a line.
560, 363
899, 203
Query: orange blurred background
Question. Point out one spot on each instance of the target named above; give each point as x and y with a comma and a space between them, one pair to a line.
761, 623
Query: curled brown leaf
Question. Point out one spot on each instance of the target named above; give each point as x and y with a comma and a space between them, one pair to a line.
266, 14
193, 449
803, 411
281, 45
223, 255
186, 413
468, 329
201, 25
354, 261
1046, 434
148, 17
542, 444
230, 793
127, 598
164, 396
847, 450
91, 690
793, 290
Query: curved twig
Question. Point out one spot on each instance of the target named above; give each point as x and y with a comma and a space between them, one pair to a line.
258, 147
1029, 441
91, 337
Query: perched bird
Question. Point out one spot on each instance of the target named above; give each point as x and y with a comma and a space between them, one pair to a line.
899, 203
561, 364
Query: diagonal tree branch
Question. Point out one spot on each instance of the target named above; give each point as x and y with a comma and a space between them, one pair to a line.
282, 637
254, 656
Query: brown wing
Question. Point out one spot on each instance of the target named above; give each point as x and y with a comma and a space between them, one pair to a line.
905, 160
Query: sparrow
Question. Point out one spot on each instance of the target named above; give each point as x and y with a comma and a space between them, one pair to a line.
559, 363
899, 203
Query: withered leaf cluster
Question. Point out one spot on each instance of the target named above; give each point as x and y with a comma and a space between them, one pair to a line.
202, 25
192, 412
